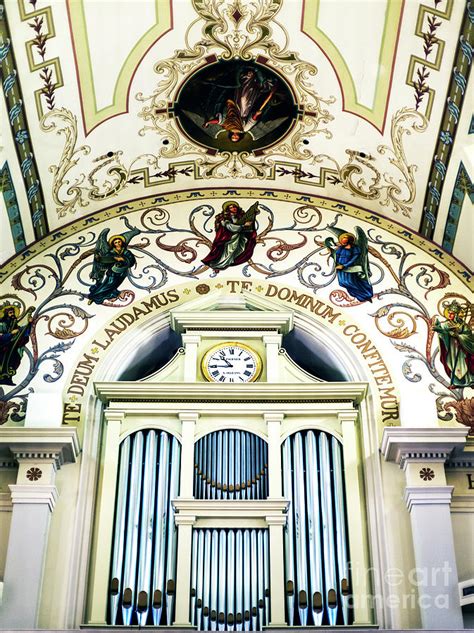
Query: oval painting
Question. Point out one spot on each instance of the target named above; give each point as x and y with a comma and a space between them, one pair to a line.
235, 106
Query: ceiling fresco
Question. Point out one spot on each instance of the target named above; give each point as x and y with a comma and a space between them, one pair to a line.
95, 94
154, 152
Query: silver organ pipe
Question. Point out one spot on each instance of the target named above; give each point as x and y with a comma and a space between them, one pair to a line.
133, 528
232, 579
144, 546
328, 529
300, 530
221, 593
119, 535
231, 464
239, 579
172, 531
341, 535
314, 535
160, 531
194, 575
142, 601
214, 578
290, 579
232, 570
316, 551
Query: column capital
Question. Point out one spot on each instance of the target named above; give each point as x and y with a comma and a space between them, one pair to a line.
114, 415
272, 338
275, 519
191, 338
188, 416
184, 519
274, 416
34, 494
58, 444
401, 444
348, 416
428, 495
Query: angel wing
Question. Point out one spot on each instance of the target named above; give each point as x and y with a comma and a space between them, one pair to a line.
363, 244
263, 128
128, 235
101, 250
211, 130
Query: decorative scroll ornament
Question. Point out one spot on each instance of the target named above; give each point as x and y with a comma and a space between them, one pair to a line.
235, 34
363, 179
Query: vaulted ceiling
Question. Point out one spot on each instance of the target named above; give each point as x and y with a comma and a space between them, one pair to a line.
107, 102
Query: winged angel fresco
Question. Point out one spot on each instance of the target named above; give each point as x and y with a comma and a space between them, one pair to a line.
247, 112
352, 262
112, 262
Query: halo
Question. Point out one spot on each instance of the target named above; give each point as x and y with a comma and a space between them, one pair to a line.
9, 306
229, 203
346, 235
111, 240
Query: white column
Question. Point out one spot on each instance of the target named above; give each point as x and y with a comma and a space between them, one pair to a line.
188, 425
274, 421
191, 344
277, 570
272, 346
355, 504
422, 454
183, 569
39, 455
100, 568
436, 573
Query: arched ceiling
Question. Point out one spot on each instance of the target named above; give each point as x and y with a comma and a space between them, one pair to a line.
105, 103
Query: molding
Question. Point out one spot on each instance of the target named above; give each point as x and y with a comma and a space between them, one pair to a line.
60, 444
428, 495
462, 504
42, 494
6, 504
400, 444
353, 392
270, 510
231, 320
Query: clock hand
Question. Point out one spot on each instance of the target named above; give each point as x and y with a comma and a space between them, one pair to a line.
216, 366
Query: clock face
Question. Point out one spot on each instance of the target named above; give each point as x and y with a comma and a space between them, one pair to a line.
231, 363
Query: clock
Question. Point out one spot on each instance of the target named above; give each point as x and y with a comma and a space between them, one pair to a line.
231, 363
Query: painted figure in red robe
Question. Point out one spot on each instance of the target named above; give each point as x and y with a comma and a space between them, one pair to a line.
235, 237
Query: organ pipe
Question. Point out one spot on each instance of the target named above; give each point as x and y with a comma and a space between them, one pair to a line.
119, 534
144, 547
231, 464
316, 550
234, 574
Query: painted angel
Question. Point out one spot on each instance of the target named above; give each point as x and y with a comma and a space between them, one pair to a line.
352, 262
236, 236
243, 113
112, 262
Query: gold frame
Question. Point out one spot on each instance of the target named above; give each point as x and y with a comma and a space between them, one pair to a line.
214, 348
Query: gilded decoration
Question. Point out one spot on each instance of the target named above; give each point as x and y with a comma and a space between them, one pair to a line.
352, 264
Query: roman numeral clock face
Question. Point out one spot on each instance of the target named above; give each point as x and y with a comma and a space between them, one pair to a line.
231, 363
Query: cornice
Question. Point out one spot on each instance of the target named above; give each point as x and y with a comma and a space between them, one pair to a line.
41, 494
400, 444
60, 444
229, 509
428, 495
351, 392
231, 320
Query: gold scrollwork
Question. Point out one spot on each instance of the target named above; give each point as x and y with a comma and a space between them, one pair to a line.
230, 30
360, 176
402, 324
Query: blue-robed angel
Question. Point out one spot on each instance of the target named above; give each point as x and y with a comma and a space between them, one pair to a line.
112, 261
352, 262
